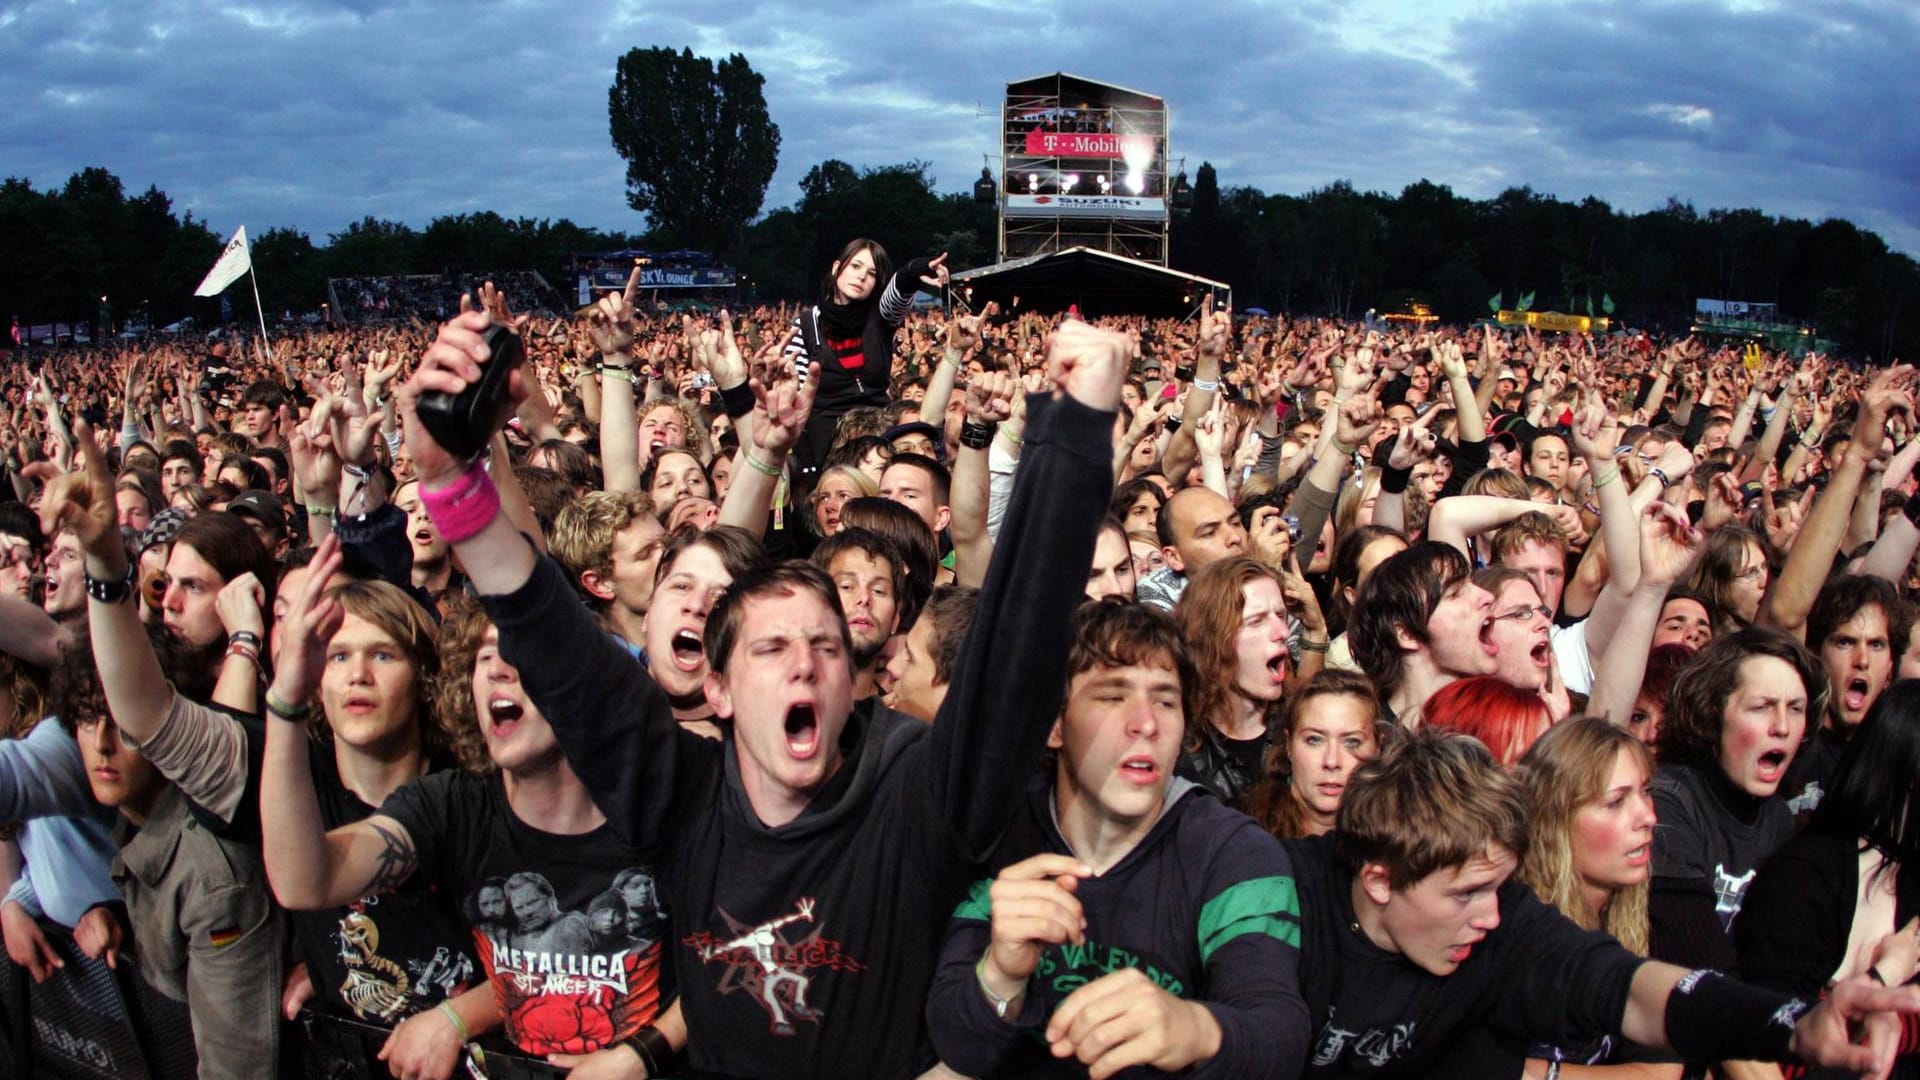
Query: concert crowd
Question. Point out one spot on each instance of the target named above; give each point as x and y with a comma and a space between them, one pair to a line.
843, 690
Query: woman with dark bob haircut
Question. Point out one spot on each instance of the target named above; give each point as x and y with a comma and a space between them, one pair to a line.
1819, 909
1735, 718
849, 333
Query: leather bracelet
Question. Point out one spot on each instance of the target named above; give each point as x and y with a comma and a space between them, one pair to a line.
1314, 646
654, 1049
244, 637
977, 435
112, 592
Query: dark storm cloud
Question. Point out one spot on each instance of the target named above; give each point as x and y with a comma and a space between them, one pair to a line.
316, 114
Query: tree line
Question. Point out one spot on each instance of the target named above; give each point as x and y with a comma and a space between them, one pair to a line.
701, 149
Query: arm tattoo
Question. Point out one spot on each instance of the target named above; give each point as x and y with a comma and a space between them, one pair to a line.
394, 863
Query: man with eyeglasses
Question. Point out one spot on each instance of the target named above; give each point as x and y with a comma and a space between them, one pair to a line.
1522, 630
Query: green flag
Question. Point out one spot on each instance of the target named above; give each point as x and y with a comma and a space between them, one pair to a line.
1524, 303
1606, 303
1493, 305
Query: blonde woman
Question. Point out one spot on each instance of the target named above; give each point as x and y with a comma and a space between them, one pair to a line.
1590, 789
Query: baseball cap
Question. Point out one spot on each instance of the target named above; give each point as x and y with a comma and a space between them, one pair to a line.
262, 506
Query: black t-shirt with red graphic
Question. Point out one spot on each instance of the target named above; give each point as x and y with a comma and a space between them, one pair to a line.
568, 928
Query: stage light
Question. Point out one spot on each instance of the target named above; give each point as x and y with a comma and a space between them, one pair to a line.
1136, 183
1033, 182
1106, 185
1070, 181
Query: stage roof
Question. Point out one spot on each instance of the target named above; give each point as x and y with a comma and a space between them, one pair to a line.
1062, 85
1099, 282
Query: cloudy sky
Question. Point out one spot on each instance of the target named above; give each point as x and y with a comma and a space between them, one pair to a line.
315, 113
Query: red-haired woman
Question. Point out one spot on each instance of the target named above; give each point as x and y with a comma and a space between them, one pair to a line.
1502, 716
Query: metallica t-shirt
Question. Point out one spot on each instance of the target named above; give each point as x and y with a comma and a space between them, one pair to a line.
568, 928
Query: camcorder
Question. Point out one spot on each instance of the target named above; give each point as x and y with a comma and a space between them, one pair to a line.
463, 423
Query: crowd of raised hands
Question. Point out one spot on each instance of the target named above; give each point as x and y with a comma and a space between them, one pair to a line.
1360, 531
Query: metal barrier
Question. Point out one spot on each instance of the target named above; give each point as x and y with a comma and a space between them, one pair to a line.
90, 1022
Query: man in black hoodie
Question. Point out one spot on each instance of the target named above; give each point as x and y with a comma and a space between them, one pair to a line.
826, 840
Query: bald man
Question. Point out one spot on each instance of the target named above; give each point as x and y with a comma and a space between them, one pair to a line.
1197, 528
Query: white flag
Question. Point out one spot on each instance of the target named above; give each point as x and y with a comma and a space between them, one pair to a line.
233, 263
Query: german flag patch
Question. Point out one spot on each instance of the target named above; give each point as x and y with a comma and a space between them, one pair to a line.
220, 939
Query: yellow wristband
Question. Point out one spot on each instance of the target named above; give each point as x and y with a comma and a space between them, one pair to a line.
453, 1017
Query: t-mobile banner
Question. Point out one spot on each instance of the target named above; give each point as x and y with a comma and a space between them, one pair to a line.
1076, 144
1129, 207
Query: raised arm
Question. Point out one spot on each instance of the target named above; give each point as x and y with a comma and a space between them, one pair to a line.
1454, 520
610, 324
1791, 390
1595, 437
1668, 546
138, 693
310, 868
989, 404
571, 667
1210, 351
1790, 599
781, 406
962, 341
991, 727
1414, 444
29, 633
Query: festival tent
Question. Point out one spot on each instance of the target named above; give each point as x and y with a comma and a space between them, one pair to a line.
1098, 282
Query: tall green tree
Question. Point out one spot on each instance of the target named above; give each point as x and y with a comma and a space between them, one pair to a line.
699, 144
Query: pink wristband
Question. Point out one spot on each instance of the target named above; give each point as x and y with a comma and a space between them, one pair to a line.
463, 508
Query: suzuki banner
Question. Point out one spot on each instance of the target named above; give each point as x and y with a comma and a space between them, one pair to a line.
1128, 207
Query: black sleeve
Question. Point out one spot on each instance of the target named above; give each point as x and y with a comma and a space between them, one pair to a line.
969, 1036
1470, 458
1395, 392
608, 714
988, 736
1794, 923
1560, 985
1696, 425
378, 542
1685, 925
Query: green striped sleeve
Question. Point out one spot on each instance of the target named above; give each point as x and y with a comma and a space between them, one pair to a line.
978, 905
1268, 905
